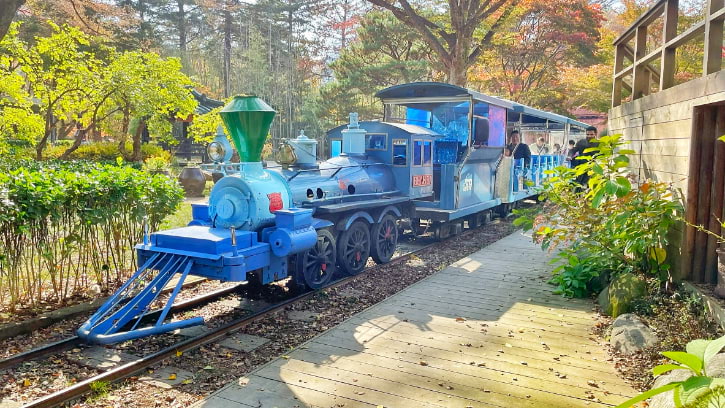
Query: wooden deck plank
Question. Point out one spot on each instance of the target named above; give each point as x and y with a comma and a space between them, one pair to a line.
461, 307
490, 333
511, 356
506, 386
487, 345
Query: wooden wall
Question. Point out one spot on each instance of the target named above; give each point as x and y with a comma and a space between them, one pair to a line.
659, 128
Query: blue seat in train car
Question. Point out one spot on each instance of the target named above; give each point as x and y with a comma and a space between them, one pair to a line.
519, 171
536, 164
445, 151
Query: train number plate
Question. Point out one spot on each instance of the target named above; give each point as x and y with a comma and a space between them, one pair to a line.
422, 180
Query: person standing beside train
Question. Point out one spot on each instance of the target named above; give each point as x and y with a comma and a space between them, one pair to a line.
569, 152
580, 150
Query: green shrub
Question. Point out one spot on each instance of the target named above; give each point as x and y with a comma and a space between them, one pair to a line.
698, 390
67, 226
609, 222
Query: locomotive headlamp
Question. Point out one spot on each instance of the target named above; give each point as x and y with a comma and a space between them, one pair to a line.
216, 151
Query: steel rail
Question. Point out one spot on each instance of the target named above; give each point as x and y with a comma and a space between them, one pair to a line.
73, 341
128, 369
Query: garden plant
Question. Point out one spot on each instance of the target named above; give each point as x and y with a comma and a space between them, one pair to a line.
699, 390
68, 228
609, 226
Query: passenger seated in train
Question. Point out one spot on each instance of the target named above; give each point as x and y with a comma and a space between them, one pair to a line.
518, 149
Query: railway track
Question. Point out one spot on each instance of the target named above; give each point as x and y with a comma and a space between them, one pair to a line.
126, 370
73, 341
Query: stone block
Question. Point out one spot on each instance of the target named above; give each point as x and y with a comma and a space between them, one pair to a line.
162, 377
629, 334
100, 357
243, 342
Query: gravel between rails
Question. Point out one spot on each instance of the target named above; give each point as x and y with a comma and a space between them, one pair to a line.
213, 365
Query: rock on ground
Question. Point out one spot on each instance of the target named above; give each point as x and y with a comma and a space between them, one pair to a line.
667, 399
629, 334
617, 298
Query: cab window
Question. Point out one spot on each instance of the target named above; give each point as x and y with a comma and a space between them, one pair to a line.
417, 152
400, 152
375, 141
427, 153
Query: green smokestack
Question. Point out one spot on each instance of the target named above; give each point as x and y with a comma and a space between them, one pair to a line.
247, 119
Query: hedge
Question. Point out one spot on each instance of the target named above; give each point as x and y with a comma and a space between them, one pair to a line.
68, 228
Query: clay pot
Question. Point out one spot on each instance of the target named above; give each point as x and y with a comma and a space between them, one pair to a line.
193, 181
720, 289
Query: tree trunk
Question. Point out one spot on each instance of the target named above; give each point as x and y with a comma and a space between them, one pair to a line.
136, 156
457, 70
227, 48
181, 27
8, 8
78, 139
49, 127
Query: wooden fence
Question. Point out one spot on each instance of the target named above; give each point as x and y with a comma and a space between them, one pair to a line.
641, 72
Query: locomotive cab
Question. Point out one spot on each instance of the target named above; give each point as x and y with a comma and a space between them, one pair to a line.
407, 150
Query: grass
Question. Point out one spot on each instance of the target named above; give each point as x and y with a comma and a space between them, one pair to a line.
180, 218
99, 389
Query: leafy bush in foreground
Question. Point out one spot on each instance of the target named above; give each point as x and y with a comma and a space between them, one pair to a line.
68, 226
609, 223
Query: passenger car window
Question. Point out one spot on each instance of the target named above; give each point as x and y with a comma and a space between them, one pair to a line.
400, 152
427, 153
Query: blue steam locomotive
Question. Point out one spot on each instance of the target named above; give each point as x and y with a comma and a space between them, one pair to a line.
436, 161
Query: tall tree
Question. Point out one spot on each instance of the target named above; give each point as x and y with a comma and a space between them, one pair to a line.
8, 8
460, 35
527, 57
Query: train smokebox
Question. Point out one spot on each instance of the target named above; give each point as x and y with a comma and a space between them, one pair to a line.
247, 119
353, 138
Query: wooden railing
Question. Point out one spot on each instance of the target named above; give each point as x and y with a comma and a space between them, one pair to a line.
641, 71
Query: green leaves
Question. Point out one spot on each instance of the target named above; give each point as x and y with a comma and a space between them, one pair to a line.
713, 348
648, 394
689, 360
696, 388
665, 368
74, 222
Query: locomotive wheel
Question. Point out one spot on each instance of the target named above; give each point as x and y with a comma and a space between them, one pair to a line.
353, 248
316, 266
384, 239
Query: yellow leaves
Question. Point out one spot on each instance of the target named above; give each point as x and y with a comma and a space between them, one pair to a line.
27, 382
172, 376
658, 255
179, 353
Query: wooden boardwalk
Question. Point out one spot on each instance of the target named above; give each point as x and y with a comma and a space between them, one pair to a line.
484, 332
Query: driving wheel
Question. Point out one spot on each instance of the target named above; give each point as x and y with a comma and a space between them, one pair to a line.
353, 248
384, 239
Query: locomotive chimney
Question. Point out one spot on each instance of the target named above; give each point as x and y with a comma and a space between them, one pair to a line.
353, 138
247, 119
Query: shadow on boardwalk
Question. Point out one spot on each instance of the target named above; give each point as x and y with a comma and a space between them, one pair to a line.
484, 332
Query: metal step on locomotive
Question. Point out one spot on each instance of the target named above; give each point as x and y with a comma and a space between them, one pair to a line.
436, 161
